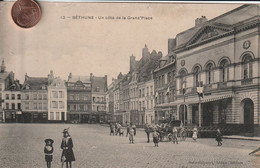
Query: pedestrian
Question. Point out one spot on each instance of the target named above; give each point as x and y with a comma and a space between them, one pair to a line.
174, 135
67, 151
48, 150
134, 127
127, 128
131, 135
112, 129
219, 137
195, 133
116, 128
155, 138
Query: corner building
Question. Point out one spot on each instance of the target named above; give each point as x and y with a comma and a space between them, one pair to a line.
221, 54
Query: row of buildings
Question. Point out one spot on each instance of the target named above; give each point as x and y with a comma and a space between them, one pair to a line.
220, 57
52, 99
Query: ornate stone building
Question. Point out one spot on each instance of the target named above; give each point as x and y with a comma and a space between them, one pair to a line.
222, 55
79, 98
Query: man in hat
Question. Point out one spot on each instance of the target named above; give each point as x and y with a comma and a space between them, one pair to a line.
67, 152
48, 150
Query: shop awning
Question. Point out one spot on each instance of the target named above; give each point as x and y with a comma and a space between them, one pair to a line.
195, 100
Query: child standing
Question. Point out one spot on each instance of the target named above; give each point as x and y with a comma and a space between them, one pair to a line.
219, 137
131, 135
174, 135
155, 138
48, 150
195, 134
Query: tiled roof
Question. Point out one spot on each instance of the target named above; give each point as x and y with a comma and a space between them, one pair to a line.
83, 79
99, 84
35, 83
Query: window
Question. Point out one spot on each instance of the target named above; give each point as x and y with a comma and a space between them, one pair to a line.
19, 106
151, 90
0, 87
19, 96
54, 94
196, 76
85, 107
143, 92
182, 81
147, 91
45, 107
61, 105
60, 94
7, 106
51, 115
209, 73
45, 96
35, 96
27, 97
13, 96
163, 80
224, 71
40, 106
57, 115
54, 104
169, 77
13, 106
27, 106
247, 67
7, 96
40, 96
35, 105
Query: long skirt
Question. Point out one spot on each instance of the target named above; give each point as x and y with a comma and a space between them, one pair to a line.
69, 155
155, 140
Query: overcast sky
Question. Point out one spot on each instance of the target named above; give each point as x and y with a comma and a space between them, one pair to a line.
94, 45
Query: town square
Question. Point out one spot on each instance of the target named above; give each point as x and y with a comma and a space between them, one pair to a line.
129, 85
22, 146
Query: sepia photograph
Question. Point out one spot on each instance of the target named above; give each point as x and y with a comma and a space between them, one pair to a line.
129, 84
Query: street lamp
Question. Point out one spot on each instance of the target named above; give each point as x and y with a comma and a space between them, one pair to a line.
200, 94
184, 106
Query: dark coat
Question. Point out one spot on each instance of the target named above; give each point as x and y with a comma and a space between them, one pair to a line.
67, 150
218, 137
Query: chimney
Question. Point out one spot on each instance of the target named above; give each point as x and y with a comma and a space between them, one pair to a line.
200, 21
132, 63
171, 45
3, 66
26, 77
70, 76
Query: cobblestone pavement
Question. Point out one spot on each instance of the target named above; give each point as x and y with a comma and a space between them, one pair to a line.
21, 145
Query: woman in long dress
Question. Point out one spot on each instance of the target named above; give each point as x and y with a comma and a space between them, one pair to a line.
67, 152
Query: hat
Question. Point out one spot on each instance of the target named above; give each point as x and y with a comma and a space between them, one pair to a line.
66, 131
49, 140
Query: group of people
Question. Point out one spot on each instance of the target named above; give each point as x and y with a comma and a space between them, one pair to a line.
67, 155
117, 129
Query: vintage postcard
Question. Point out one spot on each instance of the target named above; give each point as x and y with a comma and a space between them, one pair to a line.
129, 84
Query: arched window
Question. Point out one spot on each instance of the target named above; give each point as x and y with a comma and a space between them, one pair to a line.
209, 73
196, 76
224, 70
182, 79
247, 66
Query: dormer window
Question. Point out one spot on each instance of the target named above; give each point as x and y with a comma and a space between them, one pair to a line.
27, 87
97, 89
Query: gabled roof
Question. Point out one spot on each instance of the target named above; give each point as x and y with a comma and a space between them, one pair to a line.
224, 22
35, 83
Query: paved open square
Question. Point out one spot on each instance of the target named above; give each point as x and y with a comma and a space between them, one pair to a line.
22, 146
